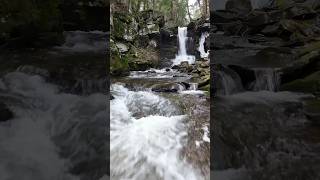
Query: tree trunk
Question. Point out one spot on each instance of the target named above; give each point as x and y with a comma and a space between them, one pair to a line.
190, 19
205, 4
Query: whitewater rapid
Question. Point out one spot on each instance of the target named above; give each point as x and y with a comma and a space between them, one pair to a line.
47, 124
147, 133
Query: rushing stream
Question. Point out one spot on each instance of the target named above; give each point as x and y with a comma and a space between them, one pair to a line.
54, 134
150, 131
260, 131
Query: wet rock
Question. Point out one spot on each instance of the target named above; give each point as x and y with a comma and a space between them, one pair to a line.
204, 81
235, 28
5, 113
270, 57
271, 30
302, 66
122, 47
118, 66
223, 16
300, 11
309, 84
203, 64
312, 110
144, 59
168, 87
239, 6
261, 18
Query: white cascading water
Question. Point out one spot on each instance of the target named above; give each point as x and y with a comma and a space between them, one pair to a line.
266, 79
182, 54
193, 86
41, 113
203, 53
147, 133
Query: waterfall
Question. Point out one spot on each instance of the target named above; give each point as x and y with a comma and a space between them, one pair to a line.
182, 53
266, 79
146, 137
203, 53
193, 86
227, 82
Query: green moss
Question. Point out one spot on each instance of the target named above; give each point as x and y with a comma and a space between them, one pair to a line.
283, 3
118, 28
119, 65
205, 88
310, 84
309, 48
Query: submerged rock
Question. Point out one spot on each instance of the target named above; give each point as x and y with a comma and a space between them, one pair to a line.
168, 87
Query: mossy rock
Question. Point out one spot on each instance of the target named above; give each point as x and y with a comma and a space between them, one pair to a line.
140, 59
309, 84
205, 88
283, 3
118, 65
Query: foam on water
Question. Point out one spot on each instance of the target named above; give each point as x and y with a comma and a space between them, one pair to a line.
81, 41
146, 145
41, 113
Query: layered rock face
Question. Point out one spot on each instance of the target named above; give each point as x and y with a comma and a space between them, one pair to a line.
266, 83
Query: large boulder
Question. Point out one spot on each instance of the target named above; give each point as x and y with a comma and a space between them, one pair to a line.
140, 59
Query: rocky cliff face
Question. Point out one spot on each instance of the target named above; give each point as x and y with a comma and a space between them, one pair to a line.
41, 24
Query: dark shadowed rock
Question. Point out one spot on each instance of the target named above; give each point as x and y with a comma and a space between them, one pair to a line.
239, 6
312, 110
168, 87
5, 113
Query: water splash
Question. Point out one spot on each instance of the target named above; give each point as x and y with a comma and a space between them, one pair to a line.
44, 122
147, 134
266, 79
182, 54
